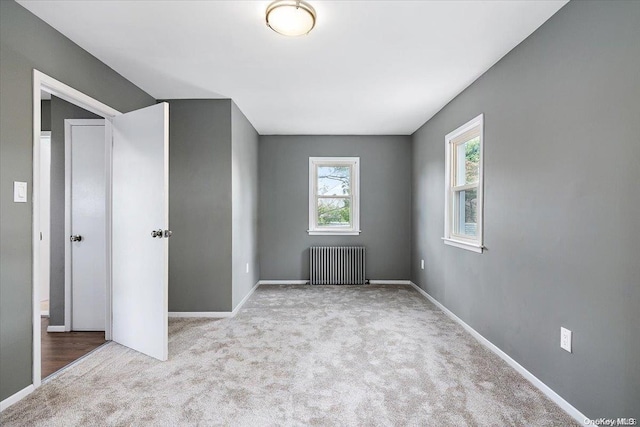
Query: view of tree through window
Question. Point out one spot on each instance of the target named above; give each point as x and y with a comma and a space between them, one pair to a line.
333, 195
469, 214
472, 157
467, 165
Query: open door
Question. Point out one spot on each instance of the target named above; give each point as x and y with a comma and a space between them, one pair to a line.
140, 218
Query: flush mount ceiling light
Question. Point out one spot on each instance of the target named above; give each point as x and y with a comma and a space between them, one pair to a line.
291, 17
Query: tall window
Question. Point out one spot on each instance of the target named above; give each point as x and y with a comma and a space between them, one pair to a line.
334, 203
463, 199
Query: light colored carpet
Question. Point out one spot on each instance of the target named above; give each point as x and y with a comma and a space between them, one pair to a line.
299, 355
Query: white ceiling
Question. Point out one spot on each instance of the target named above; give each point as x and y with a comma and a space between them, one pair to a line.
374, 67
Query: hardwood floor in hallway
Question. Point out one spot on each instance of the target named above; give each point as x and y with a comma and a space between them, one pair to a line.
62, 348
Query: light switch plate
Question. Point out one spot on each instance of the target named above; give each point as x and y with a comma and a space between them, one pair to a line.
19, 192
565, 339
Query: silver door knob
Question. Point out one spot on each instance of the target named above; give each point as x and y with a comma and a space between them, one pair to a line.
76, 238
157, 233
168, 233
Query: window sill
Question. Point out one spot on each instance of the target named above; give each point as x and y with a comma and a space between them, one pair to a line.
333, 233
474, 247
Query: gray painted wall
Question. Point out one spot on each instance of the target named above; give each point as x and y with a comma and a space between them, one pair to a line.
213, 202
244, 171
562, 164
45, 115
26, 43
60, 111
385, 200
200, 205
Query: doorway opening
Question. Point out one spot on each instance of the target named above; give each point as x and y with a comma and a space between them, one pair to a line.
55, 343
73, 233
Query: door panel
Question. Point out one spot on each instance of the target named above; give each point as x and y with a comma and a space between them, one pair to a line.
88, 219
141, 205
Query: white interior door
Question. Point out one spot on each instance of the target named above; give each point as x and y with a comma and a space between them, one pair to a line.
45, 219
87, 181
140, 206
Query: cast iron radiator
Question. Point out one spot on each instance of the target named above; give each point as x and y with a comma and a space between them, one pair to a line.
337, 265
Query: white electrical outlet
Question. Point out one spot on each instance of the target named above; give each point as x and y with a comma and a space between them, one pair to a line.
247, 267
565, 339
422, 264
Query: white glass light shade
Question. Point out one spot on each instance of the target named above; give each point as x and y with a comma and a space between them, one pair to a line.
291, 17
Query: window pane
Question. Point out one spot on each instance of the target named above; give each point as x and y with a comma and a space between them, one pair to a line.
334, 212
467, 161
466, 220
334, 180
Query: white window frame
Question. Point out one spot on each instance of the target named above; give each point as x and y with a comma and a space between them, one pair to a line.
354, 164
450, 237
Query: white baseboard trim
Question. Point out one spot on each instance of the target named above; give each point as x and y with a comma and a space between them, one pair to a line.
555, 397
283, 282
389, 282
215, 314
212, 314
16, 397
53, 328
306, 282
245, 299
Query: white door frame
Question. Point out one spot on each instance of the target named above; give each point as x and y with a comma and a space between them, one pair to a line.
43, 82
68, 301
45, 263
